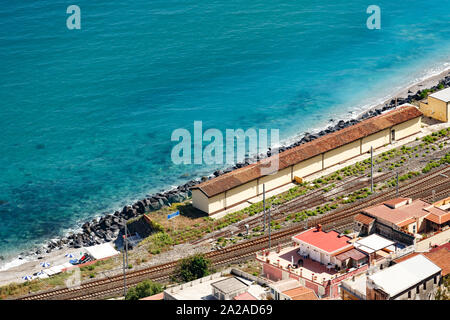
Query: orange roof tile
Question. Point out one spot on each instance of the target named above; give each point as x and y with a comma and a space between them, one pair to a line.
406, 222
245, 296
438, 219
308, 150
393, 203
406, 257
327, 241
301, 293
416, 209
441, 258
158, 296
445, 245
364, 219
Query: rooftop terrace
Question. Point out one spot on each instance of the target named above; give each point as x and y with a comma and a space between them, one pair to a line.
311, 270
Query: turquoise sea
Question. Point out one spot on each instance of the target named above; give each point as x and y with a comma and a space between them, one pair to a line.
86, 115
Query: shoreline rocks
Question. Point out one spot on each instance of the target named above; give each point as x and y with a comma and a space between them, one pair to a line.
109, 226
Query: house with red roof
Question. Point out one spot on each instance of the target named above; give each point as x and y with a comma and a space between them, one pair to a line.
317, 259
322, 246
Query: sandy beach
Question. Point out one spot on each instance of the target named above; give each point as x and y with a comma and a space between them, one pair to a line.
31, 264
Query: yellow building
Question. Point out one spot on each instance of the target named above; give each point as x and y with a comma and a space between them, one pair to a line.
240, 185
437, 105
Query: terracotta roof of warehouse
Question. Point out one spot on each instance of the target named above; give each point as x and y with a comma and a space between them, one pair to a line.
308, 150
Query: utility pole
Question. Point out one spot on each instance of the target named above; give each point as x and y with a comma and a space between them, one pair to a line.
126, 242
125, 257
124, 275
371, 169
269, 228
264, 206
396, 186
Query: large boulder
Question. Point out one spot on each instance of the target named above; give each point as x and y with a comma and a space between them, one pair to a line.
175, 198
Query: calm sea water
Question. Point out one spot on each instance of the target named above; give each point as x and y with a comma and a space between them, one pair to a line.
86, 115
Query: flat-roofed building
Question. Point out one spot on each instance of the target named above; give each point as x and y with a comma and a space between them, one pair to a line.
415, 278
218, 286
227, 289
376, 247
241, 185
437, 105
354, 288
440, 256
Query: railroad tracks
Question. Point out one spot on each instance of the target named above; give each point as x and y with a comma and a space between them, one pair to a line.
422, 187
303, 202
317, 197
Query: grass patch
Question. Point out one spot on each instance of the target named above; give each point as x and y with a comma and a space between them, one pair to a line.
158, 242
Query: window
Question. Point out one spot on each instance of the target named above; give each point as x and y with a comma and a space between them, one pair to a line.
409, 294
417, 289
425, 285
392, 135
435, 280
414, 228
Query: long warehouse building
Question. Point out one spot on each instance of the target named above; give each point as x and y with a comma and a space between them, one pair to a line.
240, 185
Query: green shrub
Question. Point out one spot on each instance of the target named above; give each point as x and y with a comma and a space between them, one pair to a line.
144, 289
192, 268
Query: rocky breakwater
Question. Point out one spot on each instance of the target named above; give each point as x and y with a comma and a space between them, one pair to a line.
108, 227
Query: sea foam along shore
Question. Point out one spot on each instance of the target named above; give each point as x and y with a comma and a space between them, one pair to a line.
108, 227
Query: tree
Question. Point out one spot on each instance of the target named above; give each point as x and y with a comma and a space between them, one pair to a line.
193, 267
143, 289
443, 291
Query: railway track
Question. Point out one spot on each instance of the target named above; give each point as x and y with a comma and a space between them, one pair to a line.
302, 202
308, 201
422, 187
